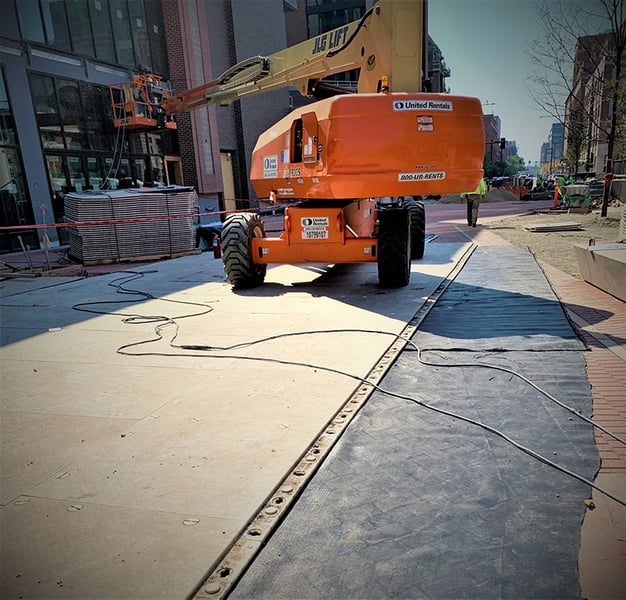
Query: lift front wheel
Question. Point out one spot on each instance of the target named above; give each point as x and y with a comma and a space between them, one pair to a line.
418, 227
237, 235
394, 247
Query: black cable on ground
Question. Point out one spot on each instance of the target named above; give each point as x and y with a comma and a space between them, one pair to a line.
200, 351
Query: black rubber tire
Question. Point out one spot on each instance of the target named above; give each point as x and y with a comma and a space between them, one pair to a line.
239, 230
418, 227
394, 247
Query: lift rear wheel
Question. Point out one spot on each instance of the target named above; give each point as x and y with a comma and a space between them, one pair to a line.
237, 235
418, 227
394, 247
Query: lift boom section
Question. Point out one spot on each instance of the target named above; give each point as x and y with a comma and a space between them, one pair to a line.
387, 44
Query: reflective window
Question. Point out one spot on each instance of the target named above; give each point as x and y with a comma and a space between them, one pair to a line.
51, 137
158, 169
15, 205
141, 170
59, 186
94, 122
154, 143
121, 32
169, 143
7, 123
55, 24
80, 27
76, 173
139, 143
101, 27
127, 32
123, 169
71, 114
42, 90
29, 17
94, 173
56, 173
139, 29
118, 172
323, 16
46, 109
109, 168
156, 34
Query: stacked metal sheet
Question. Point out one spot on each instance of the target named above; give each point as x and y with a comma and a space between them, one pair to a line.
131, 224
564, 226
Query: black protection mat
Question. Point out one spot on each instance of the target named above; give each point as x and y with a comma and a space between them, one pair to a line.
415, 504
500, 300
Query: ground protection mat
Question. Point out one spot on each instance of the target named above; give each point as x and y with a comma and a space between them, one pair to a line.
411, 503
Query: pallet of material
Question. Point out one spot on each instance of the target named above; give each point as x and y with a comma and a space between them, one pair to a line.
136, 259
545, 227
121, 225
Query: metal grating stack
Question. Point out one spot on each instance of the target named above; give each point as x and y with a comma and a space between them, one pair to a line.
161, 223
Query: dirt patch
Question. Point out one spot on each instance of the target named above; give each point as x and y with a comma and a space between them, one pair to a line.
557, 247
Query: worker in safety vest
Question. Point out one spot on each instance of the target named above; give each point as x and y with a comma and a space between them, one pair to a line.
473, 202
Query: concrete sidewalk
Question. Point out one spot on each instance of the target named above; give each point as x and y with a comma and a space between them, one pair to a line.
129, 463
113, 467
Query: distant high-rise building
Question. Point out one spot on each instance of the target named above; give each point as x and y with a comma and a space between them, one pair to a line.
552, 150
556, 139
491, 127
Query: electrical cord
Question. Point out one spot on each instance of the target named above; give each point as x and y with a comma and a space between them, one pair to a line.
420, 358
526, 380
200, 350
118, 146
380, 389
132, 318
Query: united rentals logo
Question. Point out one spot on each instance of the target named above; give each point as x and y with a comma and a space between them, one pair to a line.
445, 105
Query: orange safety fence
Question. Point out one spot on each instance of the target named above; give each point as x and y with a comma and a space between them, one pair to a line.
518, 190
67, 224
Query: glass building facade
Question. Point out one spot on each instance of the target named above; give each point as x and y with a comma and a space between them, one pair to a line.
58, 58
123, 32
15, 206
322, 15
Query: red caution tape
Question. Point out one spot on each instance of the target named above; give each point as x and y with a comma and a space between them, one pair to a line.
119, 221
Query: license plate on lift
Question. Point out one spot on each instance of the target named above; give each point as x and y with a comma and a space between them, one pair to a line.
315, 234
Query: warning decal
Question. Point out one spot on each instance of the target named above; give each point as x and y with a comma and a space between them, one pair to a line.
314, 228
270, 167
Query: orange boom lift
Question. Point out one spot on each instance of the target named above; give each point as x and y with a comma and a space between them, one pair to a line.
352, 166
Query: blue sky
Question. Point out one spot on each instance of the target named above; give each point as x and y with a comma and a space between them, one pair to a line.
484, 43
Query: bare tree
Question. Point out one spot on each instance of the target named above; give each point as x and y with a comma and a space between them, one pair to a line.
579, 66
577, 134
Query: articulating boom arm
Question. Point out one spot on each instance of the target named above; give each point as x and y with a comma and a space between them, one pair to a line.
387, 44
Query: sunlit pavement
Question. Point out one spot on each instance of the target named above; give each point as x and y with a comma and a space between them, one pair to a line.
141, 466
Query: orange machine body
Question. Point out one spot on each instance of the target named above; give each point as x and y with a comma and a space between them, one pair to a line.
372, 145
322, 234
